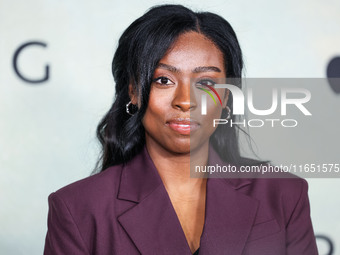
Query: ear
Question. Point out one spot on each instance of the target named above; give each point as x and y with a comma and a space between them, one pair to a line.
133, 95
225, 98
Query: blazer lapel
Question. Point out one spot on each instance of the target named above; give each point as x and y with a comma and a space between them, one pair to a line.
229, 216
151, 223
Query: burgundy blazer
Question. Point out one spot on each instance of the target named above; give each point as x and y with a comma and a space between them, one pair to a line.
125, 210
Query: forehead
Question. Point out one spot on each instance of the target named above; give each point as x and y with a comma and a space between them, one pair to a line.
193, 49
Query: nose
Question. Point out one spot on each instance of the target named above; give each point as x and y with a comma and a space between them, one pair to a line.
184, 98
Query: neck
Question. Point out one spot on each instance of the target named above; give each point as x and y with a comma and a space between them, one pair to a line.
174, 169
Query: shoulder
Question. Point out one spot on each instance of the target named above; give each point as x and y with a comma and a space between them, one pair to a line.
286, 184
261, 183
288, 187
280, 196
271, 180
78, 211
90, 191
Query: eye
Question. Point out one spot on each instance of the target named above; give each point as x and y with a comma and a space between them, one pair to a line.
205, 83
164, 81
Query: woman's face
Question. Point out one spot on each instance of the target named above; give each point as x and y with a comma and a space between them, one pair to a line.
173, 117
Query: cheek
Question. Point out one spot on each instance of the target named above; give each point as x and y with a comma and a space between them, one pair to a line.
158, 106
213, 112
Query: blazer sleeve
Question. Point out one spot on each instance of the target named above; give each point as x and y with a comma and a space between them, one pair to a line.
63, 236
299, 230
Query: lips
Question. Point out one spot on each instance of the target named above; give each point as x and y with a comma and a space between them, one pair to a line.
183, 125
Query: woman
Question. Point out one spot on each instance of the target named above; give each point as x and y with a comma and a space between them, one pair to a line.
143, 201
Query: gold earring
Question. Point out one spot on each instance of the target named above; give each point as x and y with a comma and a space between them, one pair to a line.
229, 112
128, 109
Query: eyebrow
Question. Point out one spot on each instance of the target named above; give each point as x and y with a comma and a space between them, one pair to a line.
200, 69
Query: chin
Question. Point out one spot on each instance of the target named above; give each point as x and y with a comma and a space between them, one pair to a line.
185, 147
182, 147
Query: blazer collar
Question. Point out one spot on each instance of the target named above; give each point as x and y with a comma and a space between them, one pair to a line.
140, 176
152, 223
235, 183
